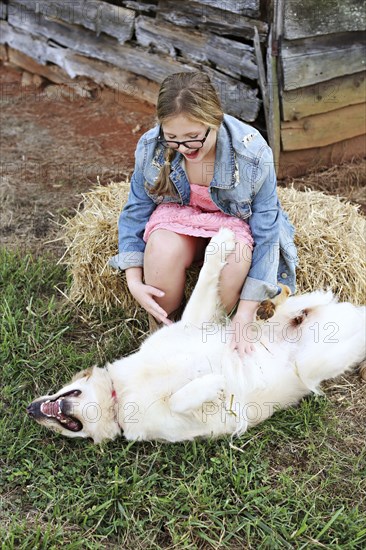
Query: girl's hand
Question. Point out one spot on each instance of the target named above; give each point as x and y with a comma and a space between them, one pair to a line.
242, 336
242, 325
144, 295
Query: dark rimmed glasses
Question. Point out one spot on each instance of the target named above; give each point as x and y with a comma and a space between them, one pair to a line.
190, 143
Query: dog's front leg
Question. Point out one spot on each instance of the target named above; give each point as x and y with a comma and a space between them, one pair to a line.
207, 388
204, 301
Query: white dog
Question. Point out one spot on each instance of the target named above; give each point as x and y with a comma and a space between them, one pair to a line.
185, 381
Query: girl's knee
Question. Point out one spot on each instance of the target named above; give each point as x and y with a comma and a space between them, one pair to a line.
167, 248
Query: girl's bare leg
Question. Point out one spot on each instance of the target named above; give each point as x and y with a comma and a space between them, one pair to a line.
234, 274
167, 256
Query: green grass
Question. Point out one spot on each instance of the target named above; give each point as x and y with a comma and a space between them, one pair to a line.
296, 481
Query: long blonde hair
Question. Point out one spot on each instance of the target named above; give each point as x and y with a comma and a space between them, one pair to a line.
193, 95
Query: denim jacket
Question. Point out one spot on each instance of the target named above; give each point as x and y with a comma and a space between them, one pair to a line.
243, 185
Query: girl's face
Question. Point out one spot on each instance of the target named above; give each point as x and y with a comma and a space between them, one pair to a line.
181, 128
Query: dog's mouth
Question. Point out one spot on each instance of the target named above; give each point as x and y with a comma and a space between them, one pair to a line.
58, 409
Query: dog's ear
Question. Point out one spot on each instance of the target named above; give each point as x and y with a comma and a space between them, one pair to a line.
82, 374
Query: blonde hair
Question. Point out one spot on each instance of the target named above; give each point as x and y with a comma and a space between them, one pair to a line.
193, 95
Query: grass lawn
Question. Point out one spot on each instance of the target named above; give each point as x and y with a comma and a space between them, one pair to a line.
296, 481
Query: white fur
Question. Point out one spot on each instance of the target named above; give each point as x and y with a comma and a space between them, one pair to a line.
185, 382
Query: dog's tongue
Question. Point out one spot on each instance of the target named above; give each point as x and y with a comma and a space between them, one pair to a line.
51, 408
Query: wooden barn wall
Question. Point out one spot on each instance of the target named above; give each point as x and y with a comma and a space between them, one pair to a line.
322, 75
310, 87
132, 46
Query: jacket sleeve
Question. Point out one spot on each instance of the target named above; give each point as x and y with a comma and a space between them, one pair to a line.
261, 282
133, 219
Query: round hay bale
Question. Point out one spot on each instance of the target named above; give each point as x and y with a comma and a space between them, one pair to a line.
330, 238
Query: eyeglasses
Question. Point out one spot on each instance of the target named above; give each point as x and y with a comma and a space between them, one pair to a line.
190, 144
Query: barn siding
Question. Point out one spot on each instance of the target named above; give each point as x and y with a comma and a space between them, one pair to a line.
151, 40
312, 68
321, 65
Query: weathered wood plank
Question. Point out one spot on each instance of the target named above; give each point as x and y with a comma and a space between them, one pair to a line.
230, 56
251, 8
166, 38
319, 17
4, 55
146, 7
3, 10
51, 72
23, 42
205, 17
262, 77
104, 48
324, 129
97, 16
237, 98
274, 117
312, 60
298, 163
123, 83
324, 97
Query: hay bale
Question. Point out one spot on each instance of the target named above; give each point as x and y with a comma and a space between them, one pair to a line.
331, 242
330, 236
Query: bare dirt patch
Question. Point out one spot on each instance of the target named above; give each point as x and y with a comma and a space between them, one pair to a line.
54, 146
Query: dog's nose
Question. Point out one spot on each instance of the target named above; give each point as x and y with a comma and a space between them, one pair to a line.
33, 409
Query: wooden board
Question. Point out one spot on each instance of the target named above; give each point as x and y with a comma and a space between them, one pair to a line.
297, 163
144, 7
219, 21
4, 52
242, 7
3, 10
274, 118
97, 16
51, 72
324, 129
238, 99
123, 83
324, 97
231, 57
319, 17
57, 35
311, 60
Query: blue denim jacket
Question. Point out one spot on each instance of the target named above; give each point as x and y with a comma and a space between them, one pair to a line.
243, 185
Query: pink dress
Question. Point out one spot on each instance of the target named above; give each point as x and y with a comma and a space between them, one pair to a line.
201, 218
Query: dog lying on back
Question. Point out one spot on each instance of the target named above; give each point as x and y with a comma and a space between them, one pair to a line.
186, 382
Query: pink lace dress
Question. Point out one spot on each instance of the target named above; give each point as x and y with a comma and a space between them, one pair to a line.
201, 218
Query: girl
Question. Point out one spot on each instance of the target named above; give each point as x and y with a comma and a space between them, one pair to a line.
196, 171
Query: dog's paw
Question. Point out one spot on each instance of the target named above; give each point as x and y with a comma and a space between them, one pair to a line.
266, 310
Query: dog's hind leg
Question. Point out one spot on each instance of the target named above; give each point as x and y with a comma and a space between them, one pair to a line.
204, 301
